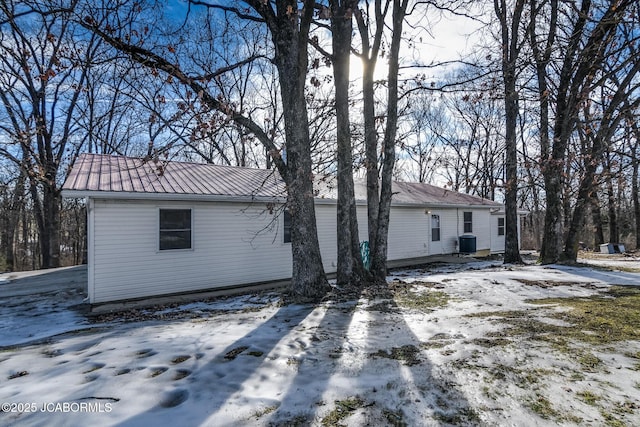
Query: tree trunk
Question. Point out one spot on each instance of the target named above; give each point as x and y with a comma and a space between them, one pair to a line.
369, 58
510, 53
614, 234
309, 281
350, 267
379, 255
596, 215
51, 205
13, 216
584, 196
636, 198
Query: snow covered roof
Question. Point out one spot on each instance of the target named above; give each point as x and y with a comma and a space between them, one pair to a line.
105, 176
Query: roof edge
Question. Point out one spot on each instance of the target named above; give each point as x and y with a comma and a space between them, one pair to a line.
123, 195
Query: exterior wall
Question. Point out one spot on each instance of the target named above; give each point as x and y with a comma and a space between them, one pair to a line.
226, 249
497, 242
409, 233
235, 244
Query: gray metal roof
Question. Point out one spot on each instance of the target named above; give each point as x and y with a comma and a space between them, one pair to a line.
98, 175
119, 174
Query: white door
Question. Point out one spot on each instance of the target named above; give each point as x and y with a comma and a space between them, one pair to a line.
435, 235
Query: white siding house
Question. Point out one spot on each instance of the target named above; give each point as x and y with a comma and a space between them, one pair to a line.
184, 227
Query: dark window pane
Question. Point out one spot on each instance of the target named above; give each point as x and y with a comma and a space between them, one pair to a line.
286, 229
500, 226
468, 222
175, 219
175, 229
435, 228
175, 240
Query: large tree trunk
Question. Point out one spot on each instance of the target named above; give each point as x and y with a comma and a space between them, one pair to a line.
510, 53
596, 215
614, 234
51, 205
586, 189
350, 267
379, 255
583, 56
636, 198
309, 281
369, 59
13, 216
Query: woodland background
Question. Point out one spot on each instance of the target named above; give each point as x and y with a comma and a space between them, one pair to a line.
568, 71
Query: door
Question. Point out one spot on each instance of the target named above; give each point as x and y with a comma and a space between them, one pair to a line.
435, 244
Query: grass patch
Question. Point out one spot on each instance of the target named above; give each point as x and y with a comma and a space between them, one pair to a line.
232, 354
523, 378
610, 420
465, 416
609, 317
602, 319
265, 411
589, 362
343, 409
407, 354
589, 398
545, 284
543, 407
426, 301
394, 418
490, 342
157, 371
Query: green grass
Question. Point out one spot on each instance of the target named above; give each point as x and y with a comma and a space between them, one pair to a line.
589, 398
343, 409
425, 301
602, 319
545, 409
408, 354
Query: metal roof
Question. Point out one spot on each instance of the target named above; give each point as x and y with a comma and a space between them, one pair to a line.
96, 175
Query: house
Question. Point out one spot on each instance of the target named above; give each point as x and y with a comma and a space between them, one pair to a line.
174, 228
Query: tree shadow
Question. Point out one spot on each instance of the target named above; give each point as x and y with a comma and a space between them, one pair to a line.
214, 383
353, 346
379, 371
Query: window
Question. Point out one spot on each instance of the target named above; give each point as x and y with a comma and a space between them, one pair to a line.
175, 229
286, 227
435, 228
468, 222
500, 226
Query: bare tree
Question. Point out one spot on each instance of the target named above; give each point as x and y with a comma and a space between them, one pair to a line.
350, 267
593, 27
509, 19
45, 62
288, 26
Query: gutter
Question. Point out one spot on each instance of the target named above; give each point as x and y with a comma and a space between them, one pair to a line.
124, 195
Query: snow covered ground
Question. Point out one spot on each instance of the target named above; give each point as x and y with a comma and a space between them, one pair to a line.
463, 344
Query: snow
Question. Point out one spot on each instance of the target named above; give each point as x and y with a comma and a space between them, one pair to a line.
250, 361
